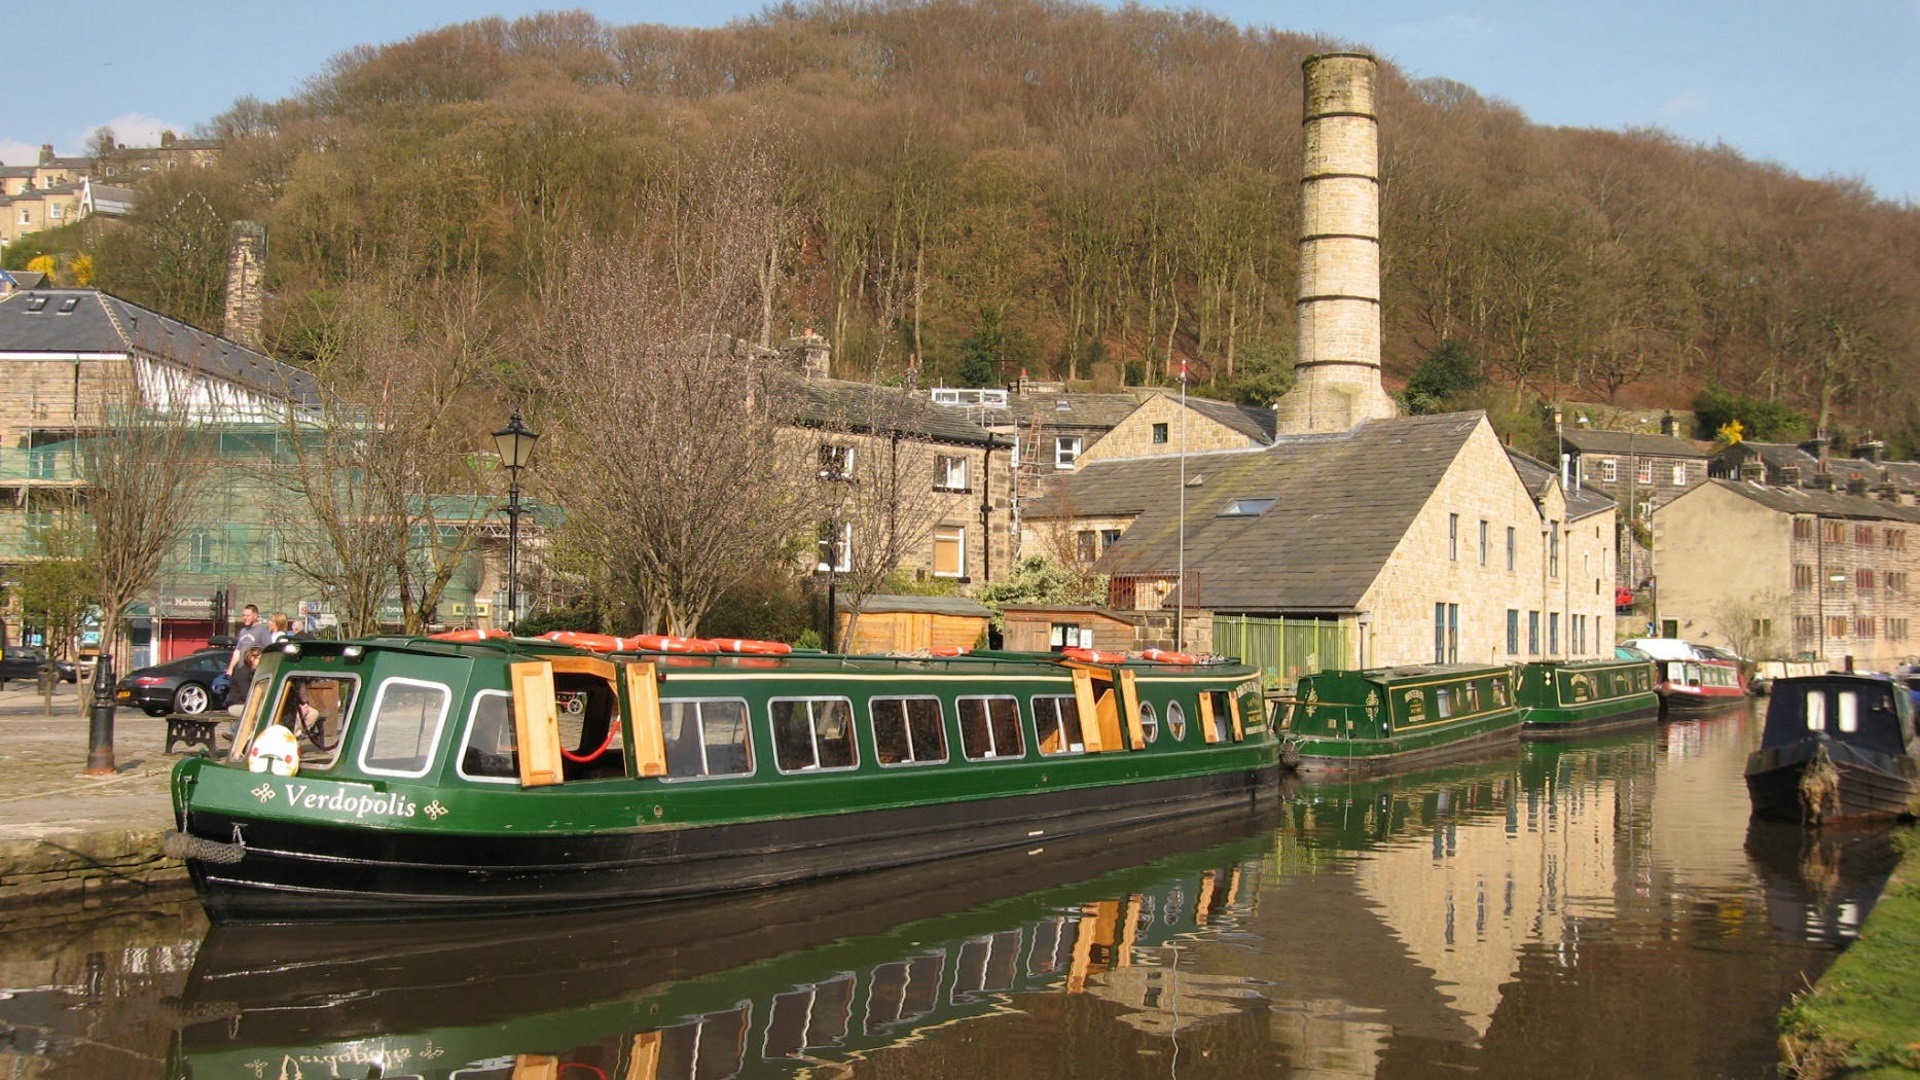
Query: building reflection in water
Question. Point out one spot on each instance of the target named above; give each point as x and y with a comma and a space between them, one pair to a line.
1513, 917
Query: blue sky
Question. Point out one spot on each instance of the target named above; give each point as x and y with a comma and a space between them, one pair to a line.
1824, 89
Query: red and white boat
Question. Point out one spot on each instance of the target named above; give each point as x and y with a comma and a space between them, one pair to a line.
1689, 680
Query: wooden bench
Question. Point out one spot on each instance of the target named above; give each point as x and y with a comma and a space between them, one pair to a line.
193, 731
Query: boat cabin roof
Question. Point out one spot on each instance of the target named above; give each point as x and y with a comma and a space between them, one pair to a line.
1861, 710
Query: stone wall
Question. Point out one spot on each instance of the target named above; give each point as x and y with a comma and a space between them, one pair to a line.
86, 868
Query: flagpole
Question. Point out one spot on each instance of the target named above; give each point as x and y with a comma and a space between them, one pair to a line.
1180, 605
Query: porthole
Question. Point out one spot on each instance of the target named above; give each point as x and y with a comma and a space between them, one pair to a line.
1176, 721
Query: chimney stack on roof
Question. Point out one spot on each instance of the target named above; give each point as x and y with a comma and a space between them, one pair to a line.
1336, 368
246, 293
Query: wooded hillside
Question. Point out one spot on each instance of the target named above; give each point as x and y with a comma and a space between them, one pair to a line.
1042, 185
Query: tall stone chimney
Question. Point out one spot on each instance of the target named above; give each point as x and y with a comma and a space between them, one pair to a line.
1336, 367
246, 296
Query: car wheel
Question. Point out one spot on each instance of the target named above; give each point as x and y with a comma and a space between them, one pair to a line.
191, 699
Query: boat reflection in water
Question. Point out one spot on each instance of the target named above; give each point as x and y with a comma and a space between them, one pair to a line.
1507, 917
750, 985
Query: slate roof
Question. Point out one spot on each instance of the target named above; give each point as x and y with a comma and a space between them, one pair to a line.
922, 605
1831, 504
1638, 444
1090, 412
1252, 421
1343, 503
102, 323
1538, 476
880, 410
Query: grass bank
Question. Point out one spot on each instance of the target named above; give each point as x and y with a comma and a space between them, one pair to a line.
1863, 1018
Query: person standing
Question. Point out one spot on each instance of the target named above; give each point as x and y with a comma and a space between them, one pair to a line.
280, 627
254, 634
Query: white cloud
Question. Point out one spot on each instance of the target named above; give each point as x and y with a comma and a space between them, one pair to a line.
18, 153
1685, 103
133, 129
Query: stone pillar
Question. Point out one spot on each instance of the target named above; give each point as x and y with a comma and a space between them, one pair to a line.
246, 295
1337, 363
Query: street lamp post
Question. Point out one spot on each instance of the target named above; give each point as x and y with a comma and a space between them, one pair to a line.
515, 446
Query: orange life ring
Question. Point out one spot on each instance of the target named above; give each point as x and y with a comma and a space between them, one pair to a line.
580, 639
1167, 656
666, 643
752, 647
470, 635
1094, 656
950, 650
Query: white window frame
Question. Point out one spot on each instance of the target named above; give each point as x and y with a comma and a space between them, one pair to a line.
953, 473
1066, 451
432, 739
845, 562
957, 536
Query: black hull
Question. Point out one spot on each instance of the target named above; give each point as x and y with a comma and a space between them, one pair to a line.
304, 871
1580, 729
1485, 744
1871, 785
1696, 705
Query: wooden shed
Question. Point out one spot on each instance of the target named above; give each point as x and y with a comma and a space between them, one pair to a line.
905, 624
1041, 628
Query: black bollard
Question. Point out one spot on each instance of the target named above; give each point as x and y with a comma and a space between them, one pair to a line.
100, 720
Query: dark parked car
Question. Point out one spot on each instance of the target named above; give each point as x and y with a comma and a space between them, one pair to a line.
20, 662
177, 686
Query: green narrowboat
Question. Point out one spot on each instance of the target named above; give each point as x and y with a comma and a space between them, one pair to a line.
1389, 719
800, 981
1566, 698
397, 777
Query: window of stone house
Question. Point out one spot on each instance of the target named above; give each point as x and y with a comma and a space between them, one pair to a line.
1511, 552
1896, 581
1609, 470
1896, 539
836, 547
1802, 577
1160, 433
950, 473
1066, 450
1483, 541
1802, 528
1863, 535
1086, 545
1643, 472
950, 551
1108, 538
1863, 579
1680, 474
1896, 629
1834, 532
836, 462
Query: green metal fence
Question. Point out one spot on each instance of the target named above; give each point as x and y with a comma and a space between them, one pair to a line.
1284, 648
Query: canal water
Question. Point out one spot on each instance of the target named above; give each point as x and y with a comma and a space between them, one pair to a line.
1594, 909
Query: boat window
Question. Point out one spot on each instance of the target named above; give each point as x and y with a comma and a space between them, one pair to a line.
1816, 711
1444, 701
587, 712
489, 755
1848, 714
1149, 722
1056, 719
990, 728
1218, 707
405, 727
1176, 721
908, 730
706, 737
315, 708
812, 733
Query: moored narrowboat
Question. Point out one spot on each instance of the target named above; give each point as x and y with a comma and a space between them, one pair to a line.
1564, 698
1836, 747
396, 777
1382, 720
1688, 680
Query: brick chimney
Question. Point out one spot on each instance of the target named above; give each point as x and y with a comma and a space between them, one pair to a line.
246, 295
46, 153
810, 353
1336, 367
1753, 472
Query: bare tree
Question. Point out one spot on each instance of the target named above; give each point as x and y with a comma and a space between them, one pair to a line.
661, 426
1747, 624
145, 467
384, 465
